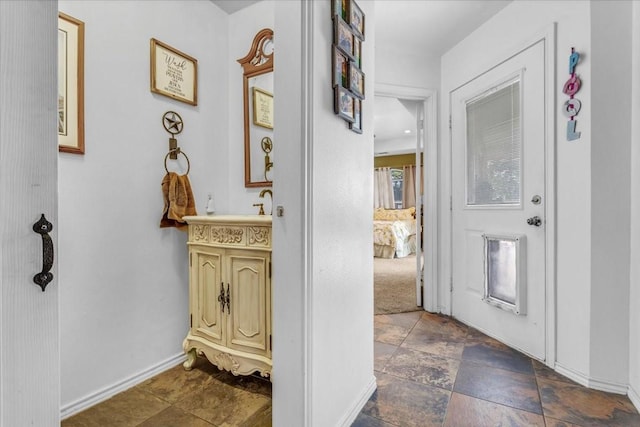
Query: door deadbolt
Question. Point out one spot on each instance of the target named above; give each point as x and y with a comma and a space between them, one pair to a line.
536, 200
535, 221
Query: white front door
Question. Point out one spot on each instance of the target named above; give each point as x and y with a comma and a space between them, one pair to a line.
498, 202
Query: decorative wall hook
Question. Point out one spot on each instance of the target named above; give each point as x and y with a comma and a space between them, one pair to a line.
267, 146
173, 124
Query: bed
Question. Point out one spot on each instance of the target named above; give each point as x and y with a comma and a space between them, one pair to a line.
394, 232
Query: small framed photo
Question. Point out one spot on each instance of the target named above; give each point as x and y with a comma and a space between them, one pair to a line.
356, 81
356, 19
70, 84
340, 68
173, 73
343, 36
357, 49
262, 108
356, 126
339, 8
344, 104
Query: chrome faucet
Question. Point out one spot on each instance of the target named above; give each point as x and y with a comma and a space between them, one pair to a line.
270, 193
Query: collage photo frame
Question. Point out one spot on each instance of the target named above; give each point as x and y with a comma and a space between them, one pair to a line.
348, 79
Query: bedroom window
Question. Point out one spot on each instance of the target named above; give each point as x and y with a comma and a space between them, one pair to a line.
397, 180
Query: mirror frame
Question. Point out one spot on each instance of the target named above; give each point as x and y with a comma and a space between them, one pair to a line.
255, 63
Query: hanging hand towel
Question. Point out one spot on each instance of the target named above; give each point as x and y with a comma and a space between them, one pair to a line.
178, 201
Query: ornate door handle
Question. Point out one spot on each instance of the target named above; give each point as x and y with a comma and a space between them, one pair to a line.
221, 298
43, 228
228, 300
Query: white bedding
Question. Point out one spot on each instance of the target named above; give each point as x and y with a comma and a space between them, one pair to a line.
394, 238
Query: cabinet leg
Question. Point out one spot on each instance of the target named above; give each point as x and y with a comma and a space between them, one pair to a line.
191, 359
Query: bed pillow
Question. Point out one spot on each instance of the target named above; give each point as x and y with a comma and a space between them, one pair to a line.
380, 214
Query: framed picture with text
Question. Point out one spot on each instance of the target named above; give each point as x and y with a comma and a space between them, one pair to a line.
173, 73
262, 108
70, 84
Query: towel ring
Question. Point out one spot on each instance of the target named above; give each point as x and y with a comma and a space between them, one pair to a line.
178, 152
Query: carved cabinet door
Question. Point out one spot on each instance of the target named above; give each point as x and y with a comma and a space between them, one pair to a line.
206, 302
249, 322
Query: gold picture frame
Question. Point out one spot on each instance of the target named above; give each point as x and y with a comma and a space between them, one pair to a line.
262, 108
70, 84
173, 73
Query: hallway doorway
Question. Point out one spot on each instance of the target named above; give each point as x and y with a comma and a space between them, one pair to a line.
405, 205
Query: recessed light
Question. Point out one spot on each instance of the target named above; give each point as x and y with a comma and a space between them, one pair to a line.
407, 131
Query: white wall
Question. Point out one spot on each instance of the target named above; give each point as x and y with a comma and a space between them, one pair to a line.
610, 192
123, 280
634, 305
573, 159
397, 67
243, 26
342, 245
327, 304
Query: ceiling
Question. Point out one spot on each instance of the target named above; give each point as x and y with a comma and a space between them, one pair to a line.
430, 27
231, 6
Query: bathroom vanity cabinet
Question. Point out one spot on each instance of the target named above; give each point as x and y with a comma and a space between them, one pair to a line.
230, 292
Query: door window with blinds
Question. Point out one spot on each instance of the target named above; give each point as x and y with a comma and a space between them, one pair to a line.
494, 146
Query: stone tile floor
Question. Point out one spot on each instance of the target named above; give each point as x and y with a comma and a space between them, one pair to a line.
435, 371
431, 371
202, 397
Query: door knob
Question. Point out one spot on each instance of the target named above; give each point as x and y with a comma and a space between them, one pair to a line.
535, 221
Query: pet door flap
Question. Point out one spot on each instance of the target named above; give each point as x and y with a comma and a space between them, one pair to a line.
504, 272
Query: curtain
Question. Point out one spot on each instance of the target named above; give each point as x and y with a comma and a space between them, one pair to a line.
409, 186
383, 188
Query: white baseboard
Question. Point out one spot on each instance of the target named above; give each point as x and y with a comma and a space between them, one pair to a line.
634, 396
608, 386
352, 414
110, 391
594, 383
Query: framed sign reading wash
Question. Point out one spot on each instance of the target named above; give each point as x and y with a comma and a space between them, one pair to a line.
173, 73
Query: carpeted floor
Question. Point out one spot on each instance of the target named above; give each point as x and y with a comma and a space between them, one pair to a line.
394, 285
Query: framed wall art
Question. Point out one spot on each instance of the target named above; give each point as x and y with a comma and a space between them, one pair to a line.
356, 126
344, 104
343, 36
356, 19
173, 73
347, 77
262, 108
357, 48
70, 84
356, 81
340, 68
340, 8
